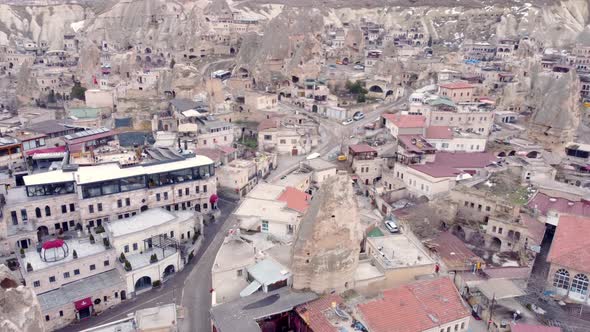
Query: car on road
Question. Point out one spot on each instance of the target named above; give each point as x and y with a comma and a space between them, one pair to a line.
358, 116
347, 122
313, 156
359, 67
333, 66
391, 226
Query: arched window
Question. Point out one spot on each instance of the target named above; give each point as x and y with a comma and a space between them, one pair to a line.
47, 211
38, 212
561, 279
580, 284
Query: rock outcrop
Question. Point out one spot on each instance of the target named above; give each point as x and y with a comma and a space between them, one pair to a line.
326, 252
19, 308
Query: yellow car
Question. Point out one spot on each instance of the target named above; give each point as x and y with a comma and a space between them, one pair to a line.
342, 157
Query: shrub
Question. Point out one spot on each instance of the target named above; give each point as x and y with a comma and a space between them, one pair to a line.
92, 239
127, 265
22, 252
106, 242
99, 229
122, 258
74, 254
156, 283
153, 258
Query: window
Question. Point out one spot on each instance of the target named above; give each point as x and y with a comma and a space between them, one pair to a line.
204, 188
500, 230
106, 263
119, 203
14, 217
158, 197
197, 189
37, 283
240, 272
561, 279
72, 207
66, 275
267, 137
179, 192
76, 272
47, 211
64, 209
488, 208
61, 313
456, 327
126, 215
265, 226
462, 325
171, 233
135, 246
47, 318
290, 229
466, 203
283, 141
99, 207
204, 205
52, 279
116, 295
105, 298
494, 229
92, 267
126, 248
91, 208
187, 191
127, 201
165, 195
580, 284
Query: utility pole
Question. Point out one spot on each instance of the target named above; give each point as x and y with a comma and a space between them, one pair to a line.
491, 311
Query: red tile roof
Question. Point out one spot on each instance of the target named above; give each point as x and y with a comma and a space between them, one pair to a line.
313, 313
267, 124
457, 85
571, 243
406, 120
534, 328
463, 160
361, 148
454, 252
296, 199
544, 203
47, 150
414, 307
213, 154
415, 143
436, 171
439, 132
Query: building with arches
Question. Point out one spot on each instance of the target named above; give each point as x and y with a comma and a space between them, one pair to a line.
569, 259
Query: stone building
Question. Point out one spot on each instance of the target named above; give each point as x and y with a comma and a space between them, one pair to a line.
70, 199
326, 251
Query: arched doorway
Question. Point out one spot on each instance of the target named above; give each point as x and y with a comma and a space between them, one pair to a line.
42, 231
496, 244
143, 283
533, 154
123, 295
502, 154
389, 93
376, 89
314, 108
169, 271
561, 281
144, 208
511, 153
579, 287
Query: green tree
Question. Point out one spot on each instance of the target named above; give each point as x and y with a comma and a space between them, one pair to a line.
355, 88
78, 91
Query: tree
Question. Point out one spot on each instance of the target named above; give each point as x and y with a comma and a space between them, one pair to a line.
78, 91
122, 258
127, 266
51, 98
361, 98
430, 41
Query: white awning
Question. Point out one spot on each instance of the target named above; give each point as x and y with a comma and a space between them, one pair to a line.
250, 289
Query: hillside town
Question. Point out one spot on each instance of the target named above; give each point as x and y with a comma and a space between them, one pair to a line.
259, 166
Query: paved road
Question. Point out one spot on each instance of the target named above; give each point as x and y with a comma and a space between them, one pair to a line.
196, 277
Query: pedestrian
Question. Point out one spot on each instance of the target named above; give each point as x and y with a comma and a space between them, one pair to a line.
436, 268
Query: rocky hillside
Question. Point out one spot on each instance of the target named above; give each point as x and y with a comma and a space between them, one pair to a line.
177, 22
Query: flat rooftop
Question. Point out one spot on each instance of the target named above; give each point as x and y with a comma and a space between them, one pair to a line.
269, 210
80, 289
161, 317
241, 315
147, 219
266, 191
399, 251
234, 252
82, 246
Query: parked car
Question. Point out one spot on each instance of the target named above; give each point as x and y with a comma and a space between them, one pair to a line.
358, 116
359, 67
391, 226
347, 122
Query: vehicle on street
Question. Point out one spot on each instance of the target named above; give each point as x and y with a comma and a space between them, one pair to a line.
391, 226
347, 122
342, 157
358, 116
359, 67
333, 66
313, 156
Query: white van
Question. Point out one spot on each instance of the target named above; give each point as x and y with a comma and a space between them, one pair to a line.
391, 226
